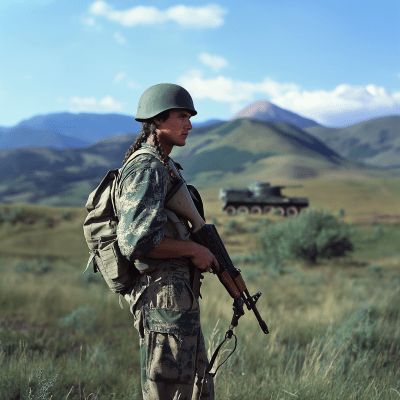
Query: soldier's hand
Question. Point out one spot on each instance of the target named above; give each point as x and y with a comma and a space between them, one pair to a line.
203, 259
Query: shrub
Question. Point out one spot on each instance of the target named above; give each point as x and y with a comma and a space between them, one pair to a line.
341, 213
309, 237
252, 229
66, 215
264, 221
378, 233
37, 267
231, 225
81, 320
359, 332
249, 258
375, 270
12, 216
43, 386
214, 221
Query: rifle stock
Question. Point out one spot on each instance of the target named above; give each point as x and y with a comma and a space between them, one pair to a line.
207, 235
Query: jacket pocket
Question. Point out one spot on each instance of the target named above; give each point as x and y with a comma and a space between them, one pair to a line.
171, 338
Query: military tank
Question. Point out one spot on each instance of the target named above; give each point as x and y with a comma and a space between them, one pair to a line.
261, 198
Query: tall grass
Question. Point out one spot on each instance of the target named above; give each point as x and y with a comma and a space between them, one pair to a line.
334, 327
333, 335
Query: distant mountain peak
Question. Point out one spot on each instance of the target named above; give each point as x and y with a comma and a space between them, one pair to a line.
260, 106
264, 110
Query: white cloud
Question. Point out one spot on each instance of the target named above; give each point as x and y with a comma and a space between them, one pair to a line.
344, 105
133, 85
91, 104
119, 38
215, 62
197, 17
90, 21
227, 90
210, 16
119, 76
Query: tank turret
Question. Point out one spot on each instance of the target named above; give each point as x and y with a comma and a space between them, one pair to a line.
262, 198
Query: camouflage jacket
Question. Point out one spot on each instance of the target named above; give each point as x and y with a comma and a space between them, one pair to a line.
143, 220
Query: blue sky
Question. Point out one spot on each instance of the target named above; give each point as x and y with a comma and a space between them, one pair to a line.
337, 62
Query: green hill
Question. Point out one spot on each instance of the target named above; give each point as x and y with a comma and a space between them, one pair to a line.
230, 153
375, 142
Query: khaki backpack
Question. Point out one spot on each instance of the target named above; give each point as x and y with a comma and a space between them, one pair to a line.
100, 230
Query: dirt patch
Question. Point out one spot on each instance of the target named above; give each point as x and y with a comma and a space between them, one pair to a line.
386, 218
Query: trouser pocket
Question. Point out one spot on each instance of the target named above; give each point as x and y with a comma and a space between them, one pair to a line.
171, 338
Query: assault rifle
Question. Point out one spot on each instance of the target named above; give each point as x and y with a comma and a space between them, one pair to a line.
179, 201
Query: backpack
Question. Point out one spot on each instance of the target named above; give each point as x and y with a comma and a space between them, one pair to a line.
100, 230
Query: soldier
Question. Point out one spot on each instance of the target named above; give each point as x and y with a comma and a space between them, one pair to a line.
163, 303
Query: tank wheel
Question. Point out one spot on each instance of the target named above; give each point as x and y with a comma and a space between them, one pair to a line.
256, 210
231, 210
292, 211
243, 210
267, 209
281, 211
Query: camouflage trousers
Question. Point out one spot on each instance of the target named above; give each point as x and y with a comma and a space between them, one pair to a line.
172, 348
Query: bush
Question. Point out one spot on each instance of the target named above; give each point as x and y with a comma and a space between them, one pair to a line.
375, 270
250, 258
378, 233
43, 386
36, 267
231, 226
90, 277
252, 229
10, 217
66, 215
81, 320
214, 221
309, 237
264, 222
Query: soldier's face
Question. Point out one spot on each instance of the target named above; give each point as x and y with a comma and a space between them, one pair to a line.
174, 130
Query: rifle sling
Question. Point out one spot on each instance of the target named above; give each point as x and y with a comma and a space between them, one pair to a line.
228, 335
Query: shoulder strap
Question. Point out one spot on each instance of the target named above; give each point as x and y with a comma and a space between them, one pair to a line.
138, 153
130, 159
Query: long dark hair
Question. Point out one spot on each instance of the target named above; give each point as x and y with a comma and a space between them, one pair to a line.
149, 128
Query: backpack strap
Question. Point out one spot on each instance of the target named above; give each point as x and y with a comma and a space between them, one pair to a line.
129, 160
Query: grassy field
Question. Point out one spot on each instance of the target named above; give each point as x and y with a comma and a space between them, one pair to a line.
334, 328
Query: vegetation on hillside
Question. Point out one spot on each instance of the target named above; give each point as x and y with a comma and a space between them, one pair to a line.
375, 142
234, 152
312, 236
334, 326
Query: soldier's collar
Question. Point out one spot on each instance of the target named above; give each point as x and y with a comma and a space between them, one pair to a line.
153, 150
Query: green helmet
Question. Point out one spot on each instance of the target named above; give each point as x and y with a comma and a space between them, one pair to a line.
162, 97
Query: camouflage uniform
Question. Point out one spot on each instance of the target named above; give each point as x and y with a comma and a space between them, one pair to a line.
166, 312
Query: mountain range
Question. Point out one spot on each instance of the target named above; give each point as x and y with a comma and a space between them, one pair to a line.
58, 159
376, 142
224, 154
67, 130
